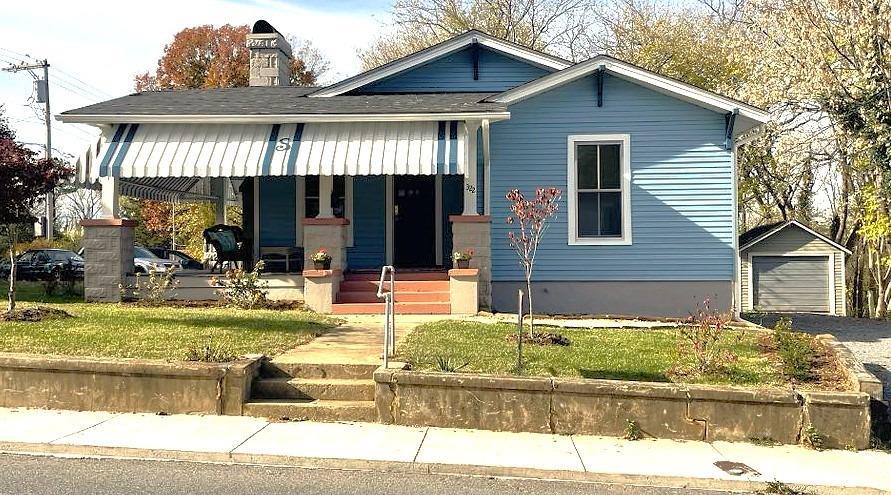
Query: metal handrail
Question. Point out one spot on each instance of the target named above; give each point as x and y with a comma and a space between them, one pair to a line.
389, 312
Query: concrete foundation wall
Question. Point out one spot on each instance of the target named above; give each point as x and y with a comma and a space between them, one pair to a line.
604, 407
618, 298
125, 385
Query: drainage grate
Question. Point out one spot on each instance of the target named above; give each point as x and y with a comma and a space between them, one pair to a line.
736, 468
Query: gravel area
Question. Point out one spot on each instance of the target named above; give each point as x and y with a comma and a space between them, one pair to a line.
869, 340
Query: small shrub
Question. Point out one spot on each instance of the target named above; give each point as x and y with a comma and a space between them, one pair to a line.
764, 441
796, 350
211, 353
813, 438
632, 430
160, 286
242, 289
701, 337
446, 365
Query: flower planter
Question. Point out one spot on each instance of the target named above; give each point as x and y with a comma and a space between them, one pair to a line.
322, 265
463, 264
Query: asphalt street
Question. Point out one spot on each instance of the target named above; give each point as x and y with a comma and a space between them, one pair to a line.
22, 474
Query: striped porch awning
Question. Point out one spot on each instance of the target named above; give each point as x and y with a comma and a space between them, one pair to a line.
250, 150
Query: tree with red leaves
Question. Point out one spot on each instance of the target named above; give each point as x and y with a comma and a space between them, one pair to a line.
531, 216
23, 181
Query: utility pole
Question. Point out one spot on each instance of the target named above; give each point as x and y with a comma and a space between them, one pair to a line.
42, 87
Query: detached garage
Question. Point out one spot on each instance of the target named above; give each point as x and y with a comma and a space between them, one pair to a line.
787, 267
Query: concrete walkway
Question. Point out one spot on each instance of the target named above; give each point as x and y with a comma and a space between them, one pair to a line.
235, 439
358, 341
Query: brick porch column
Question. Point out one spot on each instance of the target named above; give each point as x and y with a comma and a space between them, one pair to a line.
320, 286
474, 232
108, 257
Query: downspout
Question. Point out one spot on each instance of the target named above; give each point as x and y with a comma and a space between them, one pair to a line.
737, 268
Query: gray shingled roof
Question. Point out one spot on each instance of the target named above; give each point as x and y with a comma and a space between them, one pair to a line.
283, 100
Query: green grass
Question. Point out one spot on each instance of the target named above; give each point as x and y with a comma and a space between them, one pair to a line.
168, 333
620, 354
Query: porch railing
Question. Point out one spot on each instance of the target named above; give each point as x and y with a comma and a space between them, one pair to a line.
389, 298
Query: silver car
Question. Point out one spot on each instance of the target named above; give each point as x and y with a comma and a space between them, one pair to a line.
144, 261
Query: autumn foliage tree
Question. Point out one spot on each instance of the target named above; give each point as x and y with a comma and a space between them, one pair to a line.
531, 218
216, 57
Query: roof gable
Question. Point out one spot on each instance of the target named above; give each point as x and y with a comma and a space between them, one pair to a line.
751, 116
439, 50
477, 69
759, 234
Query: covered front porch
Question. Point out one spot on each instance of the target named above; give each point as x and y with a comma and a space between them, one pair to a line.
400, 193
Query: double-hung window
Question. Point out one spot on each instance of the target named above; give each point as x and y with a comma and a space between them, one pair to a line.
599, 173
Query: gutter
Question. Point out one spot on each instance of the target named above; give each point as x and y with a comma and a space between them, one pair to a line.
276, 118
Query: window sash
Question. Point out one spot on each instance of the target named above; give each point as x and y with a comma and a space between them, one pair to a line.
598, 212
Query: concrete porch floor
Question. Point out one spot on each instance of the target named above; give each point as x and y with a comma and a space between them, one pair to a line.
359, 340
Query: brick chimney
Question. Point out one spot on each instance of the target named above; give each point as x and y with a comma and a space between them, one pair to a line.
270, 56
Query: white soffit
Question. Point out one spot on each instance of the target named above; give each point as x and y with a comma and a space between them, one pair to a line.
666, 85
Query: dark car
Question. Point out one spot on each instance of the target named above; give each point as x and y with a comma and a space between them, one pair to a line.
46, 264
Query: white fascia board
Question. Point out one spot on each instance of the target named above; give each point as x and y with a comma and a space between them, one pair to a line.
637, 75
436, 51
803, 227
277, 119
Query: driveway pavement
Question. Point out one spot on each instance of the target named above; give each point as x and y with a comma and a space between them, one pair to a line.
869, 340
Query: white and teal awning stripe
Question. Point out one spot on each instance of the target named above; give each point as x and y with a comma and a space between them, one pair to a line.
249, 150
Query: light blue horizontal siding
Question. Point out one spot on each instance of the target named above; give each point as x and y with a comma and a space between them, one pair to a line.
369, 223
278, 211
681, 193
454, 73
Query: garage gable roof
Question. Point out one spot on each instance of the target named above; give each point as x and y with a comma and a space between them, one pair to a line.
754, 236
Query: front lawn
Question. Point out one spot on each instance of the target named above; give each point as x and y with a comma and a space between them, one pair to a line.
621, 354
168, 333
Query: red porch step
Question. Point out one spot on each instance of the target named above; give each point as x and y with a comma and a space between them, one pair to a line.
421, 292
401, 285
371, 297
405, 308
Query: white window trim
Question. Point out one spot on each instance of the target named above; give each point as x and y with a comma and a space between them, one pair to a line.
574, 140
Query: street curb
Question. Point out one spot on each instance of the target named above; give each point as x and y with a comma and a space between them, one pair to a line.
744, 486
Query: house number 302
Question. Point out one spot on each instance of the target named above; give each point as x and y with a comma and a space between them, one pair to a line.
470, 188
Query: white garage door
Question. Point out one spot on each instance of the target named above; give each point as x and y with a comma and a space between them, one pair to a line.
791, 283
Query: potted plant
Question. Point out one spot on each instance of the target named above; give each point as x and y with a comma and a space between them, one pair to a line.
462, 258
321, 259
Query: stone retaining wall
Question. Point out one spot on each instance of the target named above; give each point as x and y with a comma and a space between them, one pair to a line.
604, 407
125, 385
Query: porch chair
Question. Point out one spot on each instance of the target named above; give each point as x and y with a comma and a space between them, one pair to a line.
229, 243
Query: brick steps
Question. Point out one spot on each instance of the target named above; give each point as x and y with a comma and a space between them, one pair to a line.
312, 410
349, 285
371, 297
405, 308
416, 293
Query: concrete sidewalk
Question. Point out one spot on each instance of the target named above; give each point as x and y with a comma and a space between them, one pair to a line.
234, 439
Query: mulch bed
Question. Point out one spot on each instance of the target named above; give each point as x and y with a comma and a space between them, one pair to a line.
827, 371
39, 313
211, 303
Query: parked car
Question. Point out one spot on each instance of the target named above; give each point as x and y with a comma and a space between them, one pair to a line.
145, 261
46, 264
186, 261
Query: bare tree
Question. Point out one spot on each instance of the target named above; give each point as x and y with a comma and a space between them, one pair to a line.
77, 204
554, 26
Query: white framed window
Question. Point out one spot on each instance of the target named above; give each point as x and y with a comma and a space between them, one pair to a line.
599, 189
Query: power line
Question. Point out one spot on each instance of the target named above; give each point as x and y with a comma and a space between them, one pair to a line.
68, 77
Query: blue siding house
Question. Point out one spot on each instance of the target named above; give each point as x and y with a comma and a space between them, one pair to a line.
406, 163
